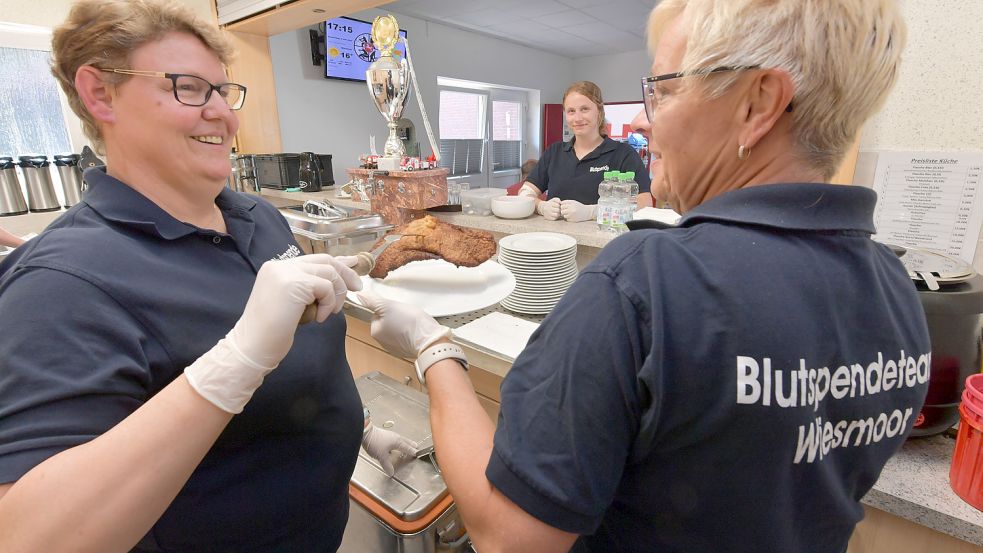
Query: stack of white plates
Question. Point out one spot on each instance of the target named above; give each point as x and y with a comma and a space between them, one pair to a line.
544, 265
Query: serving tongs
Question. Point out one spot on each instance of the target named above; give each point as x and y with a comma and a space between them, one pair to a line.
365, 262
322, 209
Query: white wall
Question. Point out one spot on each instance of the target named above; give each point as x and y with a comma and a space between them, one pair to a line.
618, 75
337, 117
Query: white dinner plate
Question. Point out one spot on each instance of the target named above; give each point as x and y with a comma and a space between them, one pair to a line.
538, 242
545, 281
536, 262
442, 289
550, 269
527, 310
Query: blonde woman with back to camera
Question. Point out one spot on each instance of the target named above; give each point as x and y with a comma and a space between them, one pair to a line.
660, 406
138, 328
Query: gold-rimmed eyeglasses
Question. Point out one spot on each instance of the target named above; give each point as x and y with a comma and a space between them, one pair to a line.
652, 95
191, 90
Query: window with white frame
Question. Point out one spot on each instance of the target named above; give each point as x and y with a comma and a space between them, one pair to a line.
462, 131
34, 114
506, 135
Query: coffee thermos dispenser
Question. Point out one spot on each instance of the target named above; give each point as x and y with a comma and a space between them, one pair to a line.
40, 192
71, 178
11, 197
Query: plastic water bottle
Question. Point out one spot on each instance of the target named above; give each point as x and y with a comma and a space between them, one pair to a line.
632, 195
604, 201
619, 204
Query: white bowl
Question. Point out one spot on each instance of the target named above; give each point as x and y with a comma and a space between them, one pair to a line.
513, 207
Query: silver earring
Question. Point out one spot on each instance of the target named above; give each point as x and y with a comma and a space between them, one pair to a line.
743, 152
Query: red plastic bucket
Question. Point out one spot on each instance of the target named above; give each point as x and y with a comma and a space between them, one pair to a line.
973, 393
966, 472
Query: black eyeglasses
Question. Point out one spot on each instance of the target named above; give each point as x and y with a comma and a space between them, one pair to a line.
194, 91
651, 96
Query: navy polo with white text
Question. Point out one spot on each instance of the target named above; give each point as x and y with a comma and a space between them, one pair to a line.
675, 399
561, 175
108, 306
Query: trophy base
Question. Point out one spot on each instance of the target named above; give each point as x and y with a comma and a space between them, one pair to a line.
403, 195
389, 163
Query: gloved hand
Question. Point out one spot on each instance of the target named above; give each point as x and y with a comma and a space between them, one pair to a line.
575, 212
403, 329
384, 444
229, 373
550, 209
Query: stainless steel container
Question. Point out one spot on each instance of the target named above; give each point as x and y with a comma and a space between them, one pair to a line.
11, 196
40, 192
71, 178
342, 231
412, 511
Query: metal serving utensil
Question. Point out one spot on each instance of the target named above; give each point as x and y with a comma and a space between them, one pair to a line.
363, 266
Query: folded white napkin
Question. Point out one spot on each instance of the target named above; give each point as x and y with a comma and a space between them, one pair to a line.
498, 332
666, 216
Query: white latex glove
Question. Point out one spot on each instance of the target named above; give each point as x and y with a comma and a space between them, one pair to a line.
529, 190
229, 373
550, 209
384, 444
575, 212
403, 329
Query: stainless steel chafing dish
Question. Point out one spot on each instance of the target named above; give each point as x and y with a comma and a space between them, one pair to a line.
321, 227
412, 511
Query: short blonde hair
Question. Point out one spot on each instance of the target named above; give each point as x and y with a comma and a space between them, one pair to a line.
593, 93
843, 57
102, 33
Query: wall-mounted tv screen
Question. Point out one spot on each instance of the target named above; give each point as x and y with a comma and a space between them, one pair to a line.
348, 48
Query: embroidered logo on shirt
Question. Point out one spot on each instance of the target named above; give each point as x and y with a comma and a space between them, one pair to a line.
599, 169
292, 251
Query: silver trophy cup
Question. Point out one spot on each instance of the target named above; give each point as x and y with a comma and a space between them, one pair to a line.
389, 82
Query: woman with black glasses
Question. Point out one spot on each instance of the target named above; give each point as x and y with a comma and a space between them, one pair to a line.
733, 384
136, 330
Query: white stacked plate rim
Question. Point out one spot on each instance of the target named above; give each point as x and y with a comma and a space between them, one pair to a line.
532, 265
527, 310
538, 242
539, 269
508, 258
545, 300
562, 280
572, 252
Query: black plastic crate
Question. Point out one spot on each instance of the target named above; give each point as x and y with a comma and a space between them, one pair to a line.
279, 171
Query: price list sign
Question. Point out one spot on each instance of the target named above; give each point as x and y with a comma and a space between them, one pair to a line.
929, 200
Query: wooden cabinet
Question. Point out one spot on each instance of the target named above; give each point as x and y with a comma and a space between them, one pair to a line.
882, 532
366, 355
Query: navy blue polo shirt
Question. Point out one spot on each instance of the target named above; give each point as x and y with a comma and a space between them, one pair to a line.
110, 304
735, 384
561, 175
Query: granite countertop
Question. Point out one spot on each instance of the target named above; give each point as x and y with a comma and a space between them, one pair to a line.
914, 485
586, 233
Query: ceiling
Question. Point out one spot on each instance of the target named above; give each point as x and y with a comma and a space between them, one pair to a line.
570, 28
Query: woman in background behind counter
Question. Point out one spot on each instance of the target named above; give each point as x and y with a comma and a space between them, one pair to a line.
569, 172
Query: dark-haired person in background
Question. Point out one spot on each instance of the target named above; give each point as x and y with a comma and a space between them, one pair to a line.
527, 167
